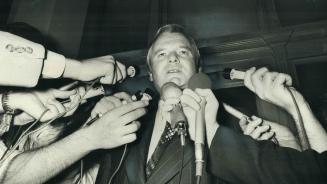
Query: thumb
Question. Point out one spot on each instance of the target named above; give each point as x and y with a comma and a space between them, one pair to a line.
243, 123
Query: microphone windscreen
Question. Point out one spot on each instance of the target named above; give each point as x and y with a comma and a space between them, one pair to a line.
226, 73
132, 71
199, 80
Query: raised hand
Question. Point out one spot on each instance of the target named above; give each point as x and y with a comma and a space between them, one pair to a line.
117, 126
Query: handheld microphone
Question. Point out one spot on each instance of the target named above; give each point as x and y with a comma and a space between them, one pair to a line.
232, 74
178, 119
199, 80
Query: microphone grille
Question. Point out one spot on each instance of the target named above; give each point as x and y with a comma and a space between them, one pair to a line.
200, 80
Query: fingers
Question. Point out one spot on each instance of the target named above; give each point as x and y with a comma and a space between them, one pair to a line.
60, 107
191, 99
62, 94
131, 128
116, 73
252, 125
243, 123
259, 130
69, 86
72, 106
127, 108
131, 116
266, 136
207, 94
191, 93
50, 113
247, 78
105, 104
124, 96
129, 138
111, 100
169, 103
283, 79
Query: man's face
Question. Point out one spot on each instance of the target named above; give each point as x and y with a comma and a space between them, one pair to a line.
171, 60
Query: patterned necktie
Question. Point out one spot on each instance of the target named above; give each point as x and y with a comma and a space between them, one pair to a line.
165, 138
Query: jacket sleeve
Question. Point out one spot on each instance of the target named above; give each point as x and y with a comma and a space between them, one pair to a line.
238, 158
21, 61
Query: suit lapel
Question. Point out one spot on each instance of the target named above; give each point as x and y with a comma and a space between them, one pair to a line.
136, 158
170, 162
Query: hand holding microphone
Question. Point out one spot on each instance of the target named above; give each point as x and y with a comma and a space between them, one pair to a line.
170, 92
276, 88
269, 86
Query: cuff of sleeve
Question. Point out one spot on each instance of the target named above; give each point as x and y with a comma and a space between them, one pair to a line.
54, 65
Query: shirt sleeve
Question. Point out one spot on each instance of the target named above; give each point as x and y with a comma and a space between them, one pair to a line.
54, 65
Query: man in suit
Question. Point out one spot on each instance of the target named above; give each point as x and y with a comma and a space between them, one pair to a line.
173, 57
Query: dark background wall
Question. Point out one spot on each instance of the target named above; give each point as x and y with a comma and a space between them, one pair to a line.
284, 35
85, 28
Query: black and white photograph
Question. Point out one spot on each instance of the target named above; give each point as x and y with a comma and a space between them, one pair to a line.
163, 92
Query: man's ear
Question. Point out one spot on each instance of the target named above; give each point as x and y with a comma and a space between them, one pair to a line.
150, 77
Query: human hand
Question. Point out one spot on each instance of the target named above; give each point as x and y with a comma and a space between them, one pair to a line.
35, 103
272, 87
191, 102
261, 129
256, 129
114, 128
108, 103
103, 67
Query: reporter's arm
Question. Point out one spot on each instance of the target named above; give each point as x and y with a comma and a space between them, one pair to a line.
23, 62
315, 131
110, 131
40, 165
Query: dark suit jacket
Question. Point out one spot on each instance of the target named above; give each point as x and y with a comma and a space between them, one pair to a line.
240, 159
168, 168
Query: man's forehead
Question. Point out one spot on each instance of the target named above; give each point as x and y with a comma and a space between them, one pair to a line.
171, 39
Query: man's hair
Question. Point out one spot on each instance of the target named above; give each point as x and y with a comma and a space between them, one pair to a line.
175, 28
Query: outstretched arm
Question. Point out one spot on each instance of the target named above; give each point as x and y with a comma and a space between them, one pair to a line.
111, 130
275, 88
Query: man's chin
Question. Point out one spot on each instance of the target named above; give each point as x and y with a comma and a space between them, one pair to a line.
178, 82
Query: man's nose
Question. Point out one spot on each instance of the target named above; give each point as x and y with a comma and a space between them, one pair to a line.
173, 58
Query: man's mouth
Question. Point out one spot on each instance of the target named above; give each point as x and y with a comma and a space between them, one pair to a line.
173, 71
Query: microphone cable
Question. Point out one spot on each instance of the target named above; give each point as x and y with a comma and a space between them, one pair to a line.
301, 133
182, 163
119, 165
181, 131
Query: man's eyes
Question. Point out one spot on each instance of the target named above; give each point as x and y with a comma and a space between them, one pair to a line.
161, 54
184, 52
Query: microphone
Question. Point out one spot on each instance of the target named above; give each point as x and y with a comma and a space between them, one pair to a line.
232, 74
178, 119
199, 80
